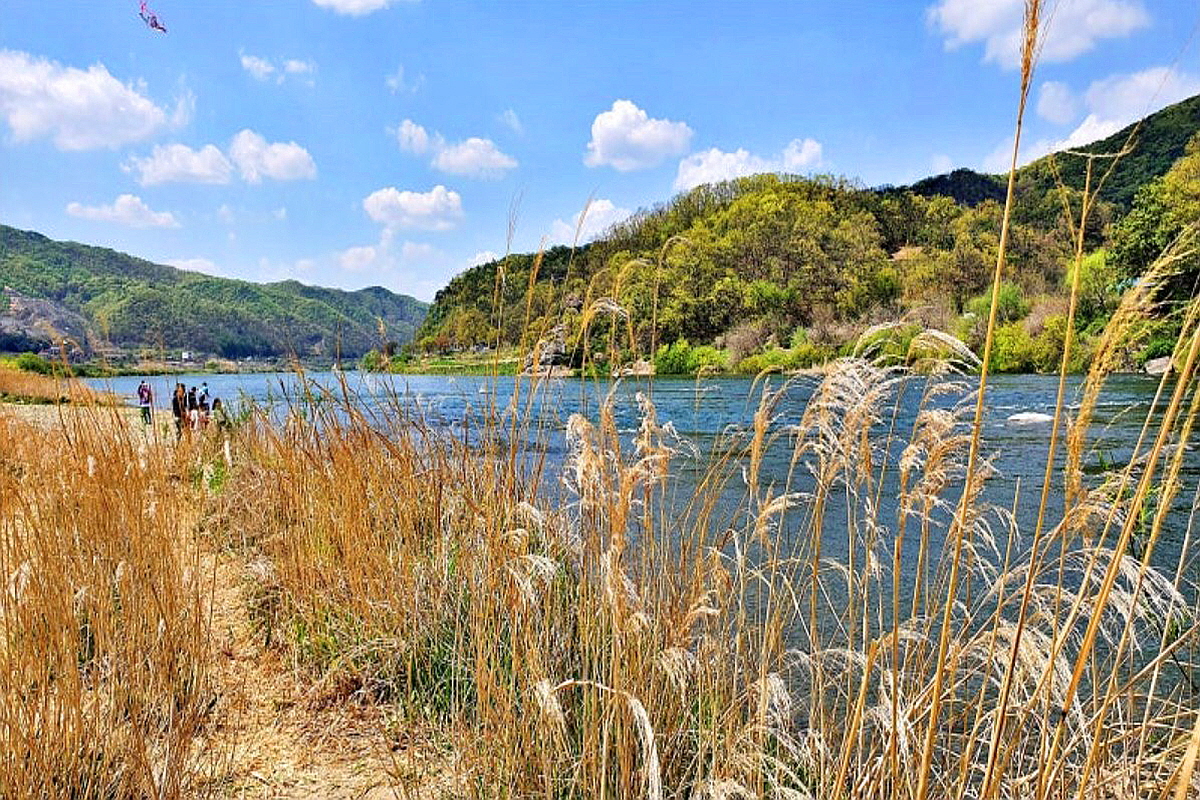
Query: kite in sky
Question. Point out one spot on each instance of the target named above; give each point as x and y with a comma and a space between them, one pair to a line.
151, 19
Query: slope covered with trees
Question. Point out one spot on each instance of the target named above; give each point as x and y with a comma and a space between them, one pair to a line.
134, 303
782, 270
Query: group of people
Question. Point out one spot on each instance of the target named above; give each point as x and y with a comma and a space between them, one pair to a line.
193, 409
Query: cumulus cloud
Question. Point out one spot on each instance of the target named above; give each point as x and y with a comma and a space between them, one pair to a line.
511, 121
1118, 100
128, 210
1071, 30
356, 258
1108, 105
258, 68
713, 165
398, 82
179, 163
474, 158
597, 217
1057, 103
256, 159
626, 138
78, 109
482, 257
412, 137
439, 209
354, 8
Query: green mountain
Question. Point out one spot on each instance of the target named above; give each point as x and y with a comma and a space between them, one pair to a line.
1157, 141
774, 260
133, 303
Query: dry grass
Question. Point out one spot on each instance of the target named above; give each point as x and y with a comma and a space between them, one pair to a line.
18, 386
102, 637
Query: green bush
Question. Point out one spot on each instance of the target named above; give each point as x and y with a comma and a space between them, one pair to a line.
1013, 349
680, 358
31, 362
672, 359
1011, 305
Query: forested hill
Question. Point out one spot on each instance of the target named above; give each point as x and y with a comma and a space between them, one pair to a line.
771, 263
1157, 143
134, 304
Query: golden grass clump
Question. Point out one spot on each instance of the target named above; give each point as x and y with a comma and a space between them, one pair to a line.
103, 639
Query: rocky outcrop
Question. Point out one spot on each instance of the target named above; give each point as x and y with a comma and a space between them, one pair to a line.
549, 356
30, 324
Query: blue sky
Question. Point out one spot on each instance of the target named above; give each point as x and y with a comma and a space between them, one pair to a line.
390, 142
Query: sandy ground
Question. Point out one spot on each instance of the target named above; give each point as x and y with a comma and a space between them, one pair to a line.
272, 733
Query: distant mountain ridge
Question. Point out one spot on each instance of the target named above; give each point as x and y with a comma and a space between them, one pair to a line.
136, 304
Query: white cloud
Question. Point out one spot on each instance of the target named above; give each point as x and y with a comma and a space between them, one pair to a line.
258, 68
195, 265
598, 216
78, 109
1072, 28
128, 210
474, 158
180, 163
356, 258
1118, 100
1111, 104
714, 166
626, 138
1057, 103
256, 159
940, 164
354, 8
263, 69
294, 66
280, 213
439, 209
801, 154
482, 257
412, 137
225, 213
397, 82
512, 121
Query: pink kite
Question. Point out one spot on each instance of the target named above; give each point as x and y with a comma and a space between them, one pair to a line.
151, 19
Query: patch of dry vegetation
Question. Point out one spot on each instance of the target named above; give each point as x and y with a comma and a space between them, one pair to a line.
103, 639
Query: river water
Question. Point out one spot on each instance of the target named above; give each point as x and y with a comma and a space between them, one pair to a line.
715, 413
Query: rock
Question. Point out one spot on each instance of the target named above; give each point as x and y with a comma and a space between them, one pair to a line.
638, 369
549, 352
1157, 366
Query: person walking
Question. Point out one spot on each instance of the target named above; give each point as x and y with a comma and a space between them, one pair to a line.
179, 409
145, 398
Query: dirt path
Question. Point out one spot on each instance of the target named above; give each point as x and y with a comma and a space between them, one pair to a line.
274, 738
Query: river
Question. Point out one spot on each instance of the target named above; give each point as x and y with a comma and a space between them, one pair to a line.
711, 413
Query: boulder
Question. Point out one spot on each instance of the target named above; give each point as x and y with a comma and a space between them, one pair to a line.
1157, 366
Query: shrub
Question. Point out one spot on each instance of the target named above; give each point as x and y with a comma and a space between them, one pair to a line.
680, 358
1013, 349
31, 362
1011, 304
